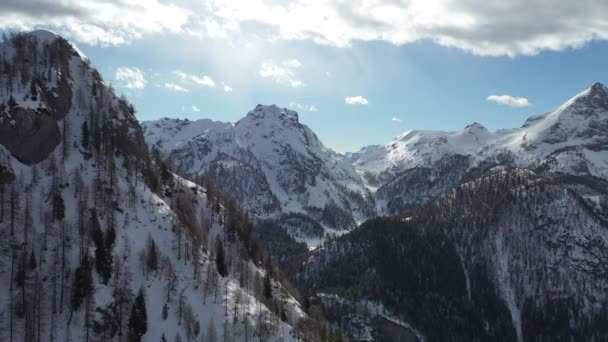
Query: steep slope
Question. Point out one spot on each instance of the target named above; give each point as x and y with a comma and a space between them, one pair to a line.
511, 255
419, 165
95, 235
272, 164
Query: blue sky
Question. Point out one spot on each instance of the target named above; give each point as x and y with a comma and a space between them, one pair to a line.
423, 85
435, 71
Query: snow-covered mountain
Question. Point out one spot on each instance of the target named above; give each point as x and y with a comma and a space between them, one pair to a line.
271, 163
97, 238
418, 165
275, 166
512, 255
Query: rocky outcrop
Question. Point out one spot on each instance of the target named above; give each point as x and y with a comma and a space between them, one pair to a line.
30, 135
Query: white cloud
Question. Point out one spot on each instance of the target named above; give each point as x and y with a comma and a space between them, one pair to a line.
131, 78
495, 28
396, 120
509, 100
360, 100
196, 109
227, 88
204, 80
97, 21
175, 87
486, 28
304, 107
283, 73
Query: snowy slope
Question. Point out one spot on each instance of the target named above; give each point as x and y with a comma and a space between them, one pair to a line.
419, 165
578, 123
269, 161
54, 176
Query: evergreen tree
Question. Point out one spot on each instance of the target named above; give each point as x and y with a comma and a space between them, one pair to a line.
58, 207
220, 258
82, 285
152, 259
12, 102
85, 135
165, 311
103, 248
267, 286
33, 90
138, 321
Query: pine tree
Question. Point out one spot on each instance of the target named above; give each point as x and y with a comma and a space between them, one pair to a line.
83, 283
267, 286
165, 311
220, 258
103, 248
58, 207
12, 102
152, 259
33, 90
138, 321
85, 135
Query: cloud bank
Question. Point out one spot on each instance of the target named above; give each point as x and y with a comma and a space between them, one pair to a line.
489, 28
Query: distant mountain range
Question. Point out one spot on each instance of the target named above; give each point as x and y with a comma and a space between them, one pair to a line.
489, 236
275, 165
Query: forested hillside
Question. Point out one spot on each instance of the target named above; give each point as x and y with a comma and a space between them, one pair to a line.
99, 240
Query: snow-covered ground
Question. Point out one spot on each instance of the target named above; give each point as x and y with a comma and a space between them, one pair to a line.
110, 182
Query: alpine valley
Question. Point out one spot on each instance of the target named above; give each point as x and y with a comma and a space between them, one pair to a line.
116, 230
462, 236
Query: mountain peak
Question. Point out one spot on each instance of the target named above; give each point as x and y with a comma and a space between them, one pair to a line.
597, 89
594, 97
475, 127
273, 112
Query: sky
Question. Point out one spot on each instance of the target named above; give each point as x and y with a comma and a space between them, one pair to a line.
358, 72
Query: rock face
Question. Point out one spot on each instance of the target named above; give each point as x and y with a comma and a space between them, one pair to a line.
270, 162
29, 135
36, 81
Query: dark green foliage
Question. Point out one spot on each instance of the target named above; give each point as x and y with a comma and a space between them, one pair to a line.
82, 285
197, 328
267, 286
104, 244
416, 274
220, 258
12, 102
33, 90
165, 311
58, 207
110, 237
32, 264
288, 253
20, 274
165, 174
85, 135
152, 259
138, 320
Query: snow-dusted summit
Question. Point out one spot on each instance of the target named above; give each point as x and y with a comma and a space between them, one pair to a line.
270, 162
